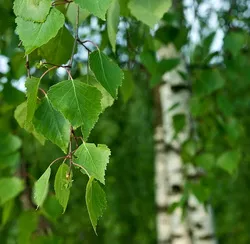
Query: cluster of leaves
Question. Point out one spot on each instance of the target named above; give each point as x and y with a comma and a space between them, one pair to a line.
68, 111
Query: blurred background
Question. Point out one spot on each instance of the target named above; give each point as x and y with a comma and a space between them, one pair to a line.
211, 56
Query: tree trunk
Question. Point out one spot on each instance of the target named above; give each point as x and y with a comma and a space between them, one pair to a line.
197, 226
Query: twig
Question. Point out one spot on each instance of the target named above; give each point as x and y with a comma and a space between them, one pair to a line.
75, 41
47, 71
27, 65
83, 42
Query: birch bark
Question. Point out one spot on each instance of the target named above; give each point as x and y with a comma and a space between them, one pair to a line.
197, 226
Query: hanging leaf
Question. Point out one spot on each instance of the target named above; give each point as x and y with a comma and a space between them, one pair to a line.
71, 14
34, 35
229, 161
57, 50
106, 72
10, 187
128, 86
51, 124
113, 17
107, 100
149, 12
41, 188
78, 102
62, 185
95, 7
32, 10
95, 200
93, 159
32, 85
20, 115
9, 143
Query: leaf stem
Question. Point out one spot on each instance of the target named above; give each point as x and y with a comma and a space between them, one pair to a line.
47, 71
45, 94
80, 166
58, 160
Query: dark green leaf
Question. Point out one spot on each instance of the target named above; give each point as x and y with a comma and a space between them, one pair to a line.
57, 50
113, 17
78, 102
128, 86
51, 124
106, 72
95, 200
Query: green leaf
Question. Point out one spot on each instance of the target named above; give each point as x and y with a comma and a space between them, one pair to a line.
62, 185
78, 102
229, 161
95, 200
7, 211
106, 72
34, 35
20, 115
128, 86
93, 159
41, 187
179, 122
9, 161
150, 11
201, 192
234, 42
10, 187
33, 10
113, 17
71, 14
107, 100
124, 7
205, 160
210, 81
32, 85
51, 124
9, 143
95, 7
57, 50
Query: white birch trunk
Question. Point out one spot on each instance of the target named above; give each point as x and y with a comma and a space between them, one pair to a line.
197, 228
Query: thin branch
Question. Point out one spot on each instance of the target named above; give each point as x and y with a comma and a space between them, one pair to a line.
75, 41
59, 66
27, 65
69, 74
47, 71
83, 42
